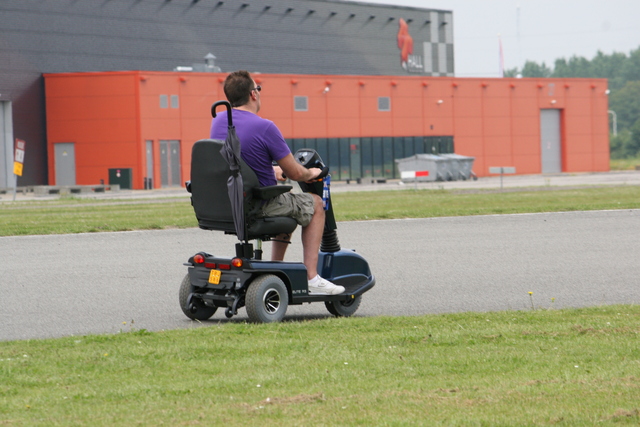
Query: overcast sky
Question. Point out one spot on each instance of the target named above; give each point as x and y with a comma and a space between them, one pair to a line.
537, 30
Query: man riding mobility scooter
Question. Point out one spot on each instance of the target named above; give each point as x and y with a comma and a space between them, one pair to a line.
226, 196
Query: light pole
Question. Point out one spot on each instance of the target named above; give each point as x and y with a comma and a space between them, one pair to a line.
615, 122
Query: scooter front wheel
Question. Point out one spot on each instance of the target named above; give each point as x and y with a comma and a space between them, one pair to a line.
344, 308
267, 299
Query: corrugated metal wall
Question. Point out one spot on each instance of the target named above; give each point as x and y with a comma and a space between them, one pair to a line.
112, 117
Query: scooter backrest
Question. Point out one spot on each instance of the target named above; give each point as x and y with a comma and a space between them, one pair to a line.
209, 194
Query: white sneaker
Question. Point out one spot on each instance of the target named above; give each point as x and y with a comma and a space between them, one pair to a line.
321, 286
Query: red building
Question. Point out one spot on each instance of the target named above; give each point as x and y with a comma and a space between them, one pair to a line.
145, 123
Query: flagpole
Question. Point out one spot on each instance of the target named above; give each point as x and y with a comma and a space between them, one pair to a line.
15, 186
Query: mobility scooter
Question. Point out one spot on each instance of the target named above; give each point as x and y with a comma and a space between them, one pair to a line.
226, 196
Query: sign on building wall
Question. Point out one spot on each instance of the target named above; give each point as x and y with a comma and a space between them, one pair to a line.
18, 158
410, 62
433, 55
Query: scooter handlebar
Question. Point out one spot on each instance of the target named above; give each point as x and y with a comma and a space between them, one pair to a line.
325, 172
311, 159
321, 175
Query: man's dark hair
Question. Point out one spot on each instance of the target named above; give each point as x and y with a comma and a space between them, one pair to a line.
237, 88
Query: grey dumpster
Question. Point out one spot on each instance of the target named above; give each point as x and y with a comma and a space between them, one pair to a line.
424, 168
461, 166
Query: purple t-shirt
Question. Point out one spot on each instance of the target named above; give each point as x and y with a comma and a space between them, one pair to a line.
260, 142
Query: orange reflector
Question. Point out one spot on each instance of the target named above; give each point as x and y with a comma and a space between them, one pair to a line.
198, 259
236, 262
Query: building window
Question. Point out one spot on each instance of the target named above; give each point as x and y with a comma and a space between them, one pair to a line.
300, 103
164, 101
384, 103
175, 102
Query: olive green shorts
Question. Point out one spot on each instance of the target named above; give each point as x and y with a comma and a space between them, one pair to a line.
298, 206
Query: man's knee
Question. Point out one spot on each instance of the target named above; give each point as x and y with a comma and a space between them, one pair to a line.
318, 209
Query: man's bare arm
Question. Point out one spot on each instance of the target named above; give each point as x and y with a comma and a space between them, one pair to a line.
295, 171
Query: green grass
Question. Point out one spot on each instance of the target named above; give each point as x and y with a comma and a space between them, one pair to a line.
435, 203
85, 216
539, 367
88, 216
624, 164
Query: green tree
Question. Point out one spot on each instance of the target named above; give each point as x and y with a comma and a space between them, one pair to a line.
610, 67
574, 67
626, 103
511, 72
631, 68
632, 149
533, 69
618, 144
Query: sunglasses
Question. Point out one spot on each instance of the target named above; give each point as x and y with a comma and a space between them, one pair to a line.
258, 88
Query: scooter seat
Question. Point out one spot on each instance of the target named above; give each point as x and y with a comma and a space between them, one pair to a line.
263, 228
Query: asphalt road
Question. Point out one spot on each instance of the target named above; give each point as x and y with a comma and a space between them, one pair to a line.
60, 285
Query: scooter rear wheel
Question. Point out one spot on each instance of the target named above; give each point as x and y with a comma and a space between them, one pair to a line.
197, 310
343, 308
267, 299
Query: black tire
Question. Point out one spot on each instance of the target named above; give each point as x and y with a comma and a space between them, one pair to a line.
343, 308
202, 311
267, 299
